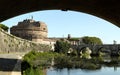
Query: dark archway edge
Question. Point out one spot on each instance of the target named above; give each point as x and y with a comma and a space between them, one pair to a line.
106, 9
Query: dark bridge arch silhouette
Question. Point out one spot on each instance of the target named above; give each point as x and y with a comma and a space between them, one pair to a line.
106, 9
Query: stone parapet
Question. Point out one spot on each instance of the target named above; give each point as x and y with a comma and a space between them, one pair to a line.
10, 43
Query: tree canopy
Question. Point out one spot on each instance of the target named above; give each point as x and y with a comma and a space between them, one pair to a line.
74, 39
4, 27
62, 46
91, 40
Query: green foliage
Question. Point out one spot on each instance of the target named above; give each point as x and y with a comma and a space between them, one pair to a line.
62, 62
4, 27
74, 53
31, 71
40, 61
30, 56
62, 46
91, 40
34, 59
74, 39
76, 62
34, 62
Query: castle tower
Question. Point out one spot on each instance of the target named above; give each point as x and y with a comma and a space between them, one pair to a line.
30, 29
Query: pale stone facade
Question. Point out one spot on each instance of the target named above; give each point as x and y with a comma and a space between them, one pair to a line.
31, 30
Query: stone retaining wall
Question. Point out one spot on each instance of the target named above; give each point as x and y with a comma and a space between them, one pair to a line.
10, 43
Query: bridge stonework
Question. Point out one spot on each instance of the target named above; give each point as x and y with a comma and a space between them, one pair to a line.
110, 48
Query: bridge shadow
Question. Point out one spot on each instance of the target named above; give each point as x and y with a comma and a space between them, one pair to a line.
9, 65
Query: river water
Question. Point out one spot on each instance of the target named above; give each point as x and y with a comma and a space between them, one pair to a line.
107, 66
102, 71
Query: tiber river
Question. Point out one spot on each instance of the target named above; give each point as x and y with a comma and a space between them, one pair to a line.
102, 71
108, 66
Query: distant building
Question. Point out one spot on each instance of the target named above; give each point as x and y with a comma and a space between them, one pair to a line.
69, 36
114, 42
31, 30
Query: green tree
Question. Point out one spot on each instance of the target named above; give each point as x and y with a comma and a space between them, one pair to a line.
62, 46
74, 39
91, 40
4, 27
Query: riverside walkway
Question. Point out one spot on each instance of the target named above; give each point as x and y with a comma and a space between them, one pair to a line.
10, 64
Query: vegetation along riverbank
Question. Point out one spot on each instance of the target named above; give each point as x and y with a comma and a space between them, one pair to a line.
37, 63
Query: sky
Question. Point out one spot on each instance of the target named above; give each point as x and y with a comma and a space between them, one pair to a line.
78, 24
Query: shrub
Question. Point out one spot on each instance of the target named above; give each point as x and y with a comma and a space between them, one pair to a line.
4, 27
62, 46
91, 40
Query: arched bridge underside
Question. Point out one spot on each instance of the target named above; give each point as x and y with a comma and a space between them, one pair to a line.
106, 9
113, 49
108, 48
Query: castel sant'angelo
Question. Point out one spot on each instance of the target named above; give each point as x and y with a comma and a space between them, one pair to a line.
35, 31
32, 30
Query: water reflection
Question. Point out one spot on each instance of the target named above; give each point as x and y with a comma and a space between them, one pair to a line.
80, 66
65, 71
74, 65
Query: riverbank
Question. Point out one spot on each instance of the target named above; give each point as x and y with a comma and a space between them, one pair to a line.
35, 63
